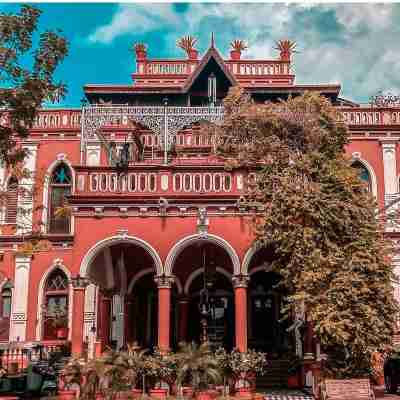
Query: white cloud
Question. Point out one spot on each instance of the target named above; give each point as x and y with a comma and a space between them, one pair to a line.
355, 44
131, 18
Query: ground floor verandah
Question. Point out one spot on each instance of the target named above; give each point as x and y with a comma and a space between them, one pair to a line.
201, 294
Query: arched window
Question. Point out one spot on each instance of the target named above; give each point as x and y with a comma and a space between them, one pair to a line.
60, 188
5, 311
364, 174
12, 201
55, 306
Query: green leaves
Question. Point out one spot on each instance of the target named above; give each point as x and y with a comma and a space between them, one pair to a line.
328, 246
26, 77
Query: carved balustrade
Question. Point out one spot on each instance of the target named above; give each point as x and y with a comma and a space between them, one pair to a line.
103, 181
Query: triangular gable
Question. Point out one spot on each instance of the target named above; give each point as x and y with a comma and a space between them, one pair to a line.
212, 53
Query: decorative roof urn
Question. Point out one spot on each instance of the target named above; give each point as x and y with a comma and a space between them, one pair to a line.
286, 49
141, 51
237, 47
187, 44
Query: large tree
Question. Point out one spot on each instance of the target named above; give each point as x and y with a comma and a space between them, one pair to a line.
26, 77
314, 213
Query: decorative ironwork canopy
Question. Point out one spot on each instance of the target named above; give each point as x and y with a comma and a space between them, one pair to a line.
165, 121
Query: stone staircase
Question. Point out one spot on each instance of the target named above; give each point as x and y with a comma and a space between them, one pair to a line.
276, 375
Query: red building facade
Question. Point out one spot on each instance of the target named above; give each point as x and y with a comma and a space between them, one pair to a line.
128, 264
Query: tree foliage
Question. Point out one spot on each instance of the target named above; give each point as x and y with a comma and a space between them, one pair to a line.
26, 77
315, 214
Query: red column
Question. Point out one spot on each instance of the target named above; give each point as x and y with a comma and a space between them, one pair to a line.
128, 320
164, 310
79, 284
240, 287
105, 319
309, 341
183, 319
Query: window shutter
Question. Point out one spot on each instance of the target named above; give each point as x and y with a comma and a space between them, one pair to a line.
12, 202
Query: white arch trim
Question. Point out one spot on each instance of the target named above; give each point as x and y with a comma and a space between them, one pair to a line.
374, 186
196, 238
248, 256
146, 271
57, 264
110, 241
198, 272
61, 158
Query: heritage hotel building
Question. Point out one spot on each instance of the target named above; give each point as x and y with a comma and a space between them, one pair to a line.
127, 264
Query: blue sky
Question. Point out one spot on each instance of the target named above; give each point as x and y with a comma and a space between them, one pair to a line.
356, 45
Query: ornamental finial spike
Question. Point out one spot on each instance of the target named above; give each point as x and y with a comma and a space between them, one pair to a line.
212, 40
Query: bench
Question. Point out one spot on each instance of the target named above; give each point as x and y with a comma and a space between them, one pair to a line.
347, 389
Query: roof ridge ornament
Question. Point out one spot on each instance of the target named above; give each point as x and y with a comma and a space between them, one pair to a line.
212, 40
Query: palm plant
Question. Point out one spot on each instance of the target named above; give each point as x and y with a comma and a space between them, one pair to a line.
238, 45
197, 364
187, 43
286, 48
140, 47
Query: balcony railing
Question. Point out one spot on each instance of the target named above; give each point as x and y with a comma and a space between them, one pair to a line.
101, 181
119, 115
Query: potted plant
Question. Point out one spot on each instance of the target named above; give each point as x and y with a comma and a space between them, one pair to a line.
198, 366
141, 51
237, 47
136, 358
245, 367
187, 44
70, 379
224, 365
286, 48
59, 321
294, 369
161, 369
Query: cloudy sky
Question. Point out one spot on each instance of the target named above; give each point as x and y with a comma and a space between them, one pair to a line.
356, 45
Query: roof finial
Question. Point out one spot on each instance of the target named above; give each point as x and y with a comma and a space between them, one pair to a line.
212, 39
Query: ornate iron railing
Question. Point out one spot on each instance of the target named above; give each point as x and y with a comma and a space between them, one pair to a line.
164, 121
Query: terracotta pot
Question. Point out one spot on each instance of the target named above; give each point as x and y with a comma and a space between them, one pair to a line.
245, 392
187, 391
141, 55
379, 380
158, 393
193, 54
293, 381
62, 333
66, 395
99, 396
136, 393
206, 395
236, 54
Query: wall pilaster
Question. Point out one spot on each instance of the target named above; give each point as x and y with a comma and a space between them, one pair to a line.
389, 166
25, 198
20, 299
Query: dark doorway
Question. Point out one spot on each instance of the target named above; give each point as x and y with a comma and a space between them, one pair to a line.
220, 321
266, 331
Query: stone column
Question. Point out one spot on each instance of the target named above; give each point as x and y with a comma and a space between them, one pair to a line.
20, 299
389, 166
128, 320
240, 286
183, 318
164, 284
105, 317
79, 285
309, 341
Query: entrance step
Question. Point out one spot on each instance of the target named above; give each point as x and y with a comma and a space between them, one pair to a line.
276, 375
287, 395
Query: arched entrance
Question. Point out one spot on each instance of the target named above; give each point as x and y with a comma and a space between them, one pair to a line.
142, 307
109, 312
206, 308
221, 318
267, 329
